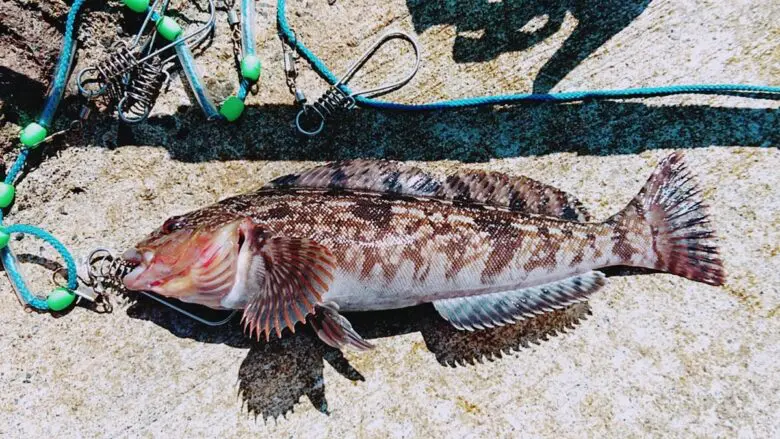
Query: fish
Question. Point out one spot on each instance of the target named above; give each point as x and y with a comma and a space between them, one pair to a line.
485, 248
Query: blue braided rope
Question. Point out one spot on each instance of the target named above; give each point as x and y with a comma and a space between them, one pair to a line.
248, 27
247, 41
50, 107
243, 89
17, 167
187, 61
772, 92
9, 260
10, 263
63, 67
572, 96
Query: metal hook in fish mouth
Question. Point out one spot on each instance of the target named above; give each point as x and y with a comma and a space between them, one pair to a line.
337, 99
104, 270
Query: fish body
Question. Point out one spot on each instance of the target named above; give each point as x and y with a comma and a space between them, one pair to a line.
392, 252
486, 249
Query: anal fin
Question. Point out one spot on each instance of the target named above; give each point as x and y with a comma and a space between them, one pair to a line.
335, 330
498, 309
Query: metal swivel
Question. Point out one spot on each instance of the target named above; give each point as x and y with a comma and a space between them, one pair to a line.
332, 103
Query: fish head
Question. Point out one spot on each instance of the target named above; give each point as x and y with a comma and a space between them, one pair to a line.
189, 258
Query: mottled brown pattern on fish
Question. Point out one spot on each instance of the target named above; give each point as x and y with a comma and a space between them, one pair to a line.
282, 210
421, 269
545, 252
380, 213
519, 194
374, 258
628, 227
501, 255
342, 220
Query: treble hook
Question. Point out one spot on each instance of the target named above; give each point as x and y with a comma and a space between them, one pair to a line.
336, 100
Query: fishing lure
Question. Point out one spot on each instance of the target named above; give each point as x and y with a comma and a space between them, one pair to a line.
484, 248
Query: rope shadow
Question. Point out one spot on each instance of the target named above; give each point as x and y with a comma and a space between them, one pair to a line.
472, 135
266, 132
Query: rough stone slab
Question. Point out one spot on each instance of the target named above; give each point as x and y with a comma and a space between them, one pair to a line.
651, 355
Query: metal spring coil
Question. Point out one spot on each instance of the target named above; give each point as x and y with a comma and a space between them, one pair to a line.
142, 91
112, 69
106, 271
333, 102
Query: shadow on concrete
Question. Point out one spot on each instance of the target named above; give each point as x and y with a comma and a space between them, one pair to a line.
485, 29
474, 135
276, 374
266, 132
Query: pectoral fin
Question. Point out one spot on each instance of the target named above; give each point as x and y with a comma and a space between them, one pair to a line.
335, 330
498, 309
290, 276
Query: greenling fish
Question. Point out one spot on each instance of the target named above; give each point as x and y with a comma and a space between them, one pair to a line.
484, 248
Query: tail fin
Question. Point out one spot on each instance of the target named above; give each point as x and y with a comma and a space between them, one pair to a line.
670, 204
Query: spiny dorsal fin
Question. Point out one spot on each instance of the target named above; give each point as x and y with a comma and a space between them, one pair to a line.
498, 309
381, 176
293, 274
520, 194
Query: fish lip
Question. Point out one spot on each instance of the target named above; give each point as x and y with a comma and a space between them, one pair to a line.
132, 280
132, 256
138, 262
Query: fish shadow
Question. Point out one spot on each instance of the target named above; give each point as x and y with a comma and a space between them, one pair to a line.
277, 373
484, 30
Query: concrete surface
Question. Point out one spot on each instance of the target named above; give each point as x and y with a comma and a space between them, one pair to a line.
651, 355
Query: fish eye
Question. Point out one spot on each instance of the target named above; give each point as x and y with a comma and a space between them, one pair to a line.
172, 224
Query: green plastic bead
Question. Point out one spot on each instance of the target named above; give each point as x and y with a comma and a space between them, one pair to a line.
32, 135
7, 192
4, 238
232, 108
137, 5
168, 28
60, 298
251, 68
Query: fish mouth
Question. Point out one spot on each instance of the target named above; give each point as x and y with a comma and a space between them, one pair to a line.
132, 257
140, 263
201, 270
